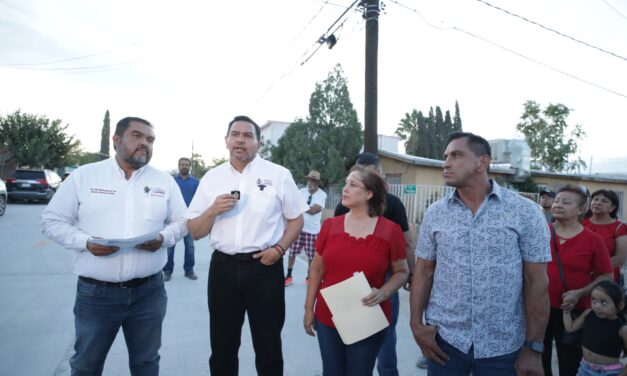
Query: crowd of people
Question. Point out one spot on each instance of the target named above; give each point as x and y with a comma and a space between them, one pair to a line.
495, 279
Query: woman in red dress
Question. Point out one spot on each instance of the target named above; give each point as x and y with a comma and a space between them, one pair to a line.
362, 240
601, 219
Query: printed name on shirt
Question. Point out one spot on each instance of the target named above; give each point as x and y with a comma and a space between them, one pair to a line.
262, 183
158, 192
102, 191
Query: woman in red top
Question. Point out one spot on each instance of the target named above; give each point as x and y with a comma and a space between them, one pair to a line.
602, 220
585, 262
360, 241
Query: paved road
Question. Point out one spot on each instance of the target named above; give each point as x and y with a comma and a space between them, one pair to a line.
37, 327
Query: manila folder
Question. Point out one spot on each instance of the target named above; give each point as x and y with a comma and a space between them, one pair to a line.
353, 320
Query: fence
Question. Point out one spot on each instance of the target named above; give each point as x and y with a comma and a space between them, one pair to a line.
416, 200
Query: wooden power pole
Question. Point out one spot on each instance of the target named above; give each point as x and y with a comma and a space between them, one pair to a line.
371, 89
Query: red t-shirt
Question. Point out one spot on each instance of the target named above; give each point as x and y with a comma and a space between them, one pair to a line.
608, 232
344, 255
582, 256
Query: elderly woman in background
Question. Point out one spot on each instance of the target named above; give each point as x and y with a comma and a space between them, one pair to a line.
601, 219
361, 240
579, 261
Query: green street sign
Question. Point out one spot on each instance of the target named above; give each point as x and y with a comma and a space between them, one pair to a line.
409, 189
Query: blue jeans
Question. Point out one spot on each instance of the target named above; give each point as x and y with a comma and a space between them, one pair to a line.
386, 361
188, 265
100, 311
339, 359
461, 364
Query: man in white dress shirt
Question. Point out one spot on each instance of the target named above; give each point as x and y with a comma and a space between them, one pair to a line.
253, 211
118, 198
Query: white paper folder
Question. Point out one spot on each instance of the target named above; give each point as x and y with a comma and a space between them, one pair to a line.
353, 320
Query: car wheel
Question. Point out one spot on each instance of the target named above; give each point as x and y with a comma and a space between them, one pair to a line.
49, 196
3, 205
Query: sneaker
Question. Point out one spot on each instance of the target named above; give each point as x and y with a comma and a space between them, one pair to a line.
288, 281
167, 276
422, 362
191, 275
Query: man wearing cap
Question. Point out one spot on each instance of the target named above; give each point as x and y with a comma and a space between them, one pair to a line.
546, 201
316, 199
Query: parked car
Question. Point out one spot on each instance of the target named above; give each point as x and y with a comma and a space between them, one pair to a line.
27, 184
3, 197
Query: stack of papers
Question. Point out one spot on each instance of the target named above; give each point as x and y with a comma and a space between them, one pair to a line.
127, 243
353, 320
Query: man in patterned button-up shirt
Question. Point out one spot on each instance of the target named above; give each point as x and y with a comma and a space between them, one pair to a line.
480, 277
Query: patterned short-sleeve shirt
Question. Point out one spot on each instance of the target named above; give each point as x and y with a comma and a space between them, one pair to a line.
477, 293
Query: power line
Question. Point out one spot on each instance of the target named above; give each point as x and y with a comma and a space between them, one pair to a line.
614, 9
311, 20
71, 58
298, 63
324, 36
539, 62
553, 30
512, 52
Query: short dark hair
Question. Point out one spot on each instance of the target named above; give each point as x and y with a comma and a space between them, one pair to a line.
548, 193
375, 184
185, 159
479, 145
368, 159
123, 124
577, 190
610, 195
248, 120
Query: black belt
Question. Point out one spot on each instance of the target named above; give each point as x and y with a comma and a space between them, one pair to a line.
238, 256
126, 284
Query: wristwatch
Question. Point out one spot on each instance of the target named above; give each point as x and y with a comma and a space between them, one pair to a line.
535, 346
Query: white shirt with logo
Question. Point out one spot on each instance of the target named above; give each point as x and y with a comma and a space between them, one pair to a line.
96, 201
268, 198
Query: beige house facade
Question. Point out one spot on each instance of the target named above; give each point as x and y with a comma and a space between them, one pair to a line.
401, 169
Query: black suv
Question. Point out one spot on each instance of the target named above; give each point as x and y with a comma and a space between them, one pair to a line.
32, 185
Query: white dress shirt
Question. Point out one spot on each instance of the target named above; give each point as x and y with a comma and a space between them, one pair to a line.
268, 197
312, 221
97, 201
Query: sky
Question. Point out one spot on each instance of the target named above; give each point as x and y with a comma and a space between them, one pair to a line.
189, 67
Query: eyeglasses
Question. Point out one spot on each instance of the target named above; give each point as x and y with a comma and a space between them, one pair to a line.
309, 200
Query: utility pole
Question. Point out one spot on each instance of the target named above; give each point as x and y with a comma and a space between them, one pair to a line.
371, 14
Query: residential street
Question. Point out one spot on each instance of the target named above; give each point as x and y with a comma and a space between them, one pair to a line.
37, 327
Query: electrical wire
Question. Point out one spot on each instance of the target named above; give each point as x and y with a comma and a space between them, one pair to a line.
71, 58
614, 9
512, 52
553, 30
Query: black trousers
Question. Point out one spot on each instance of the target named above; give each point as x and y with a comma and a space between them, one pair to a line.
239, 285
568, 357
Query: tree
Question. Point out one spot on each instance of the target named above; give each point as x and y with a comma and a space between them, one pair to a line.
545, 132
426, 136
105, 136
328, 139
34, 140
200, 168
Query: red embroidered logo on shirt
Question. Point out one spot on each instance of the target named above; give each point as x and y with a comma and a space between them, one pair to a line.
156, 191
